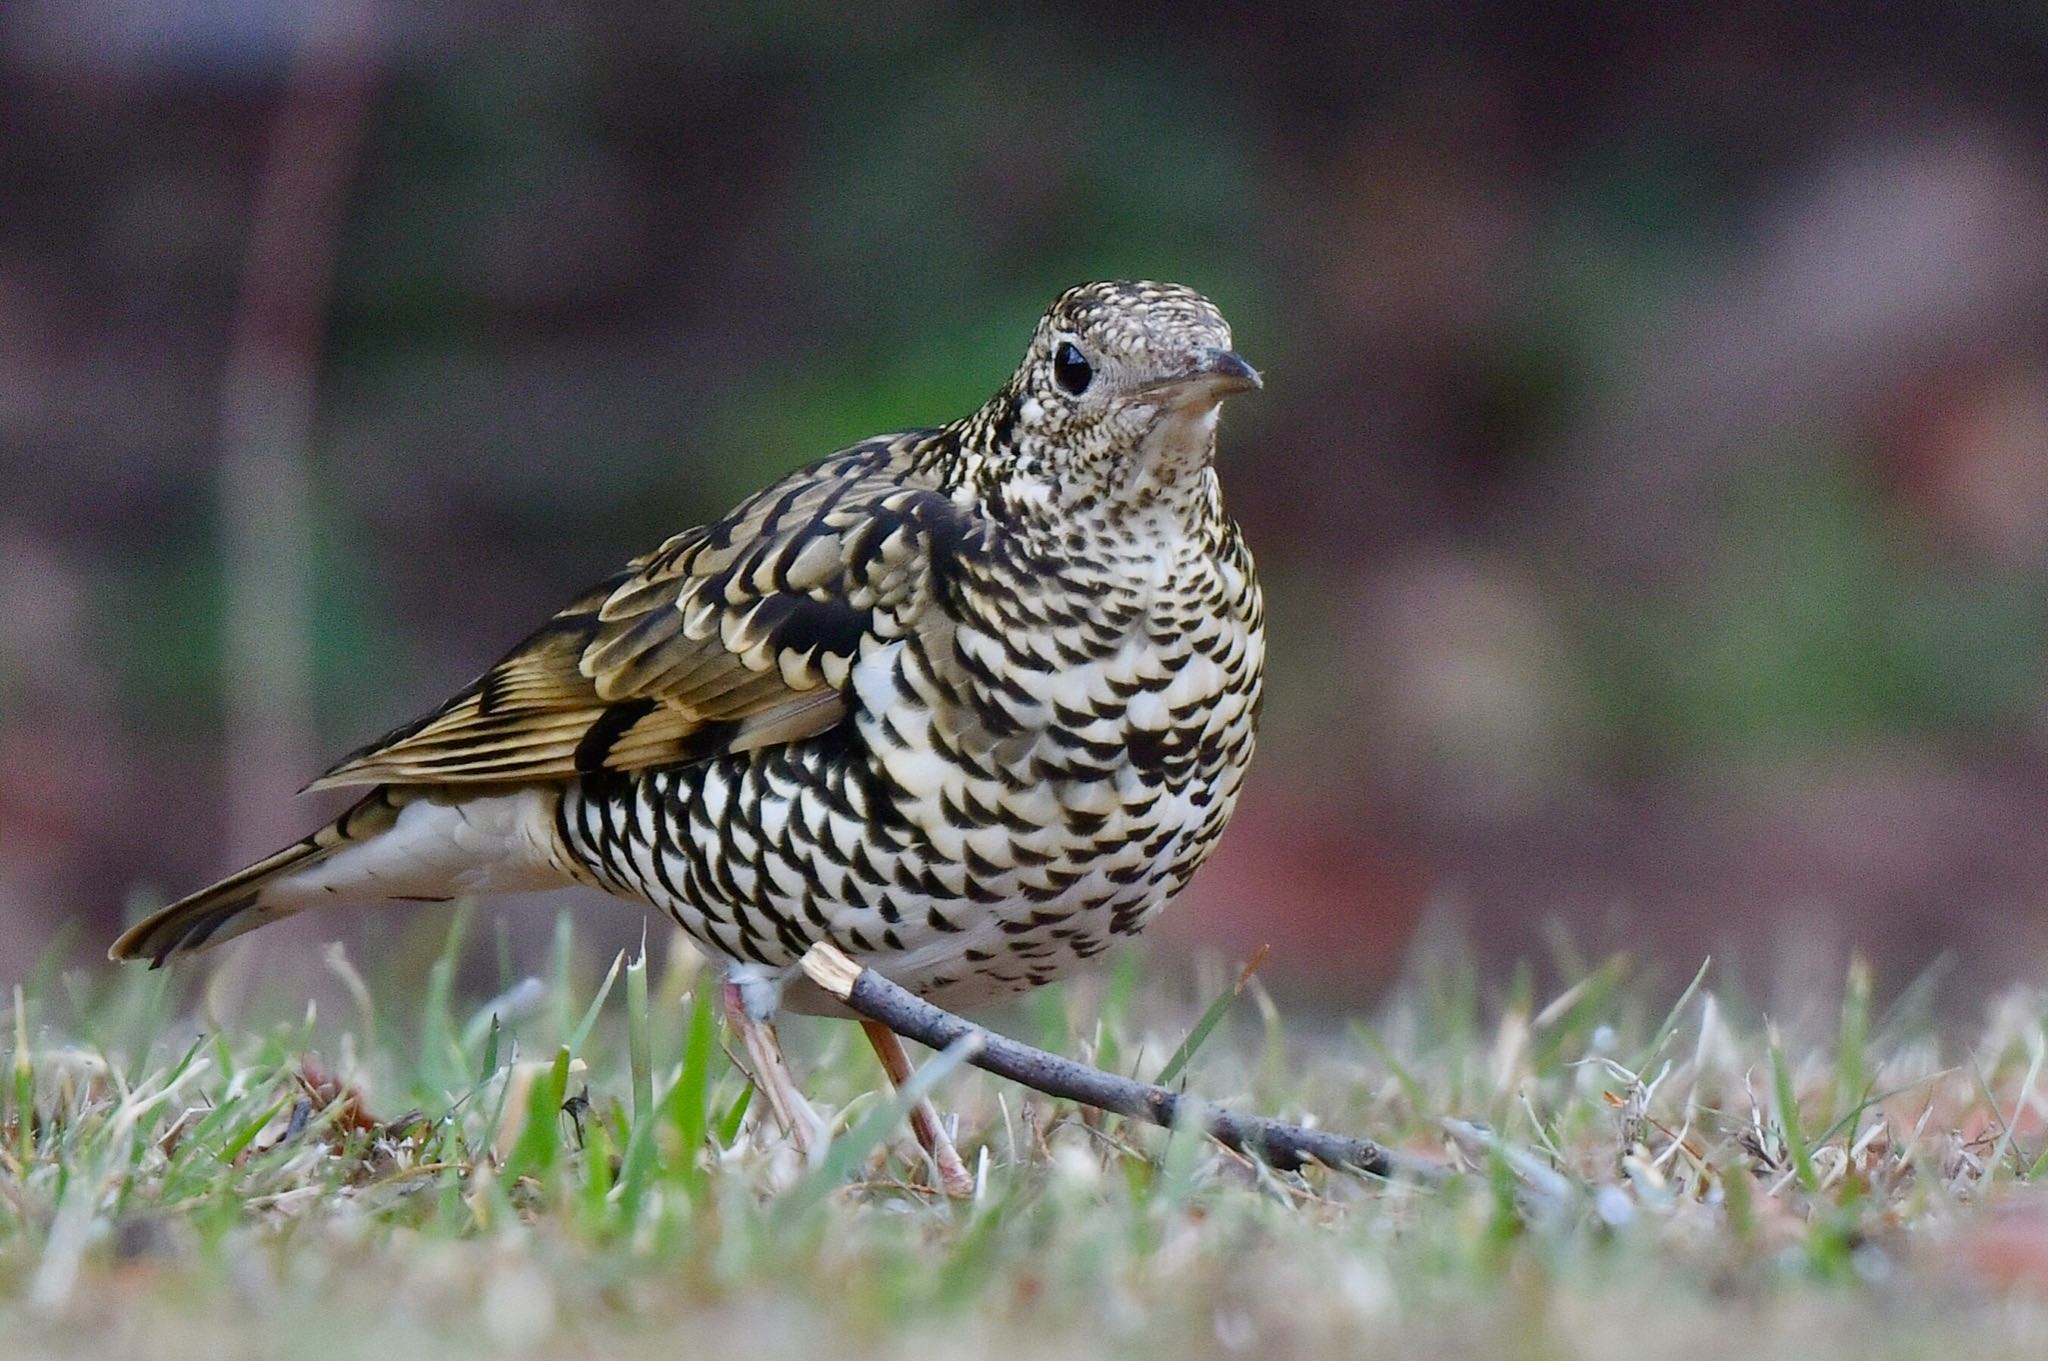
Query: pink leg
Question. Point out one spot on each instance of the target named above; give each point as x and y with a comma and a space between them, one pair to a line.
954, 1179
771, 1075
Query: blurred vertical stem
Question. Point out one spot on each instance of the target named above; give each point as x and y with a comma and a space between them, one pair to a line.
267, 401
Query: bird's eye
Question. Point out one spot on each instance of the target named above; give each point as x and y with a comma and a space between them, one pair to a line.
1070, 369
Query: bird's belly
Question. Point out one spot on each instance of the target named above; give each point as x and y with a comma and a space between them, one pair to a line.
966, 840
758, 866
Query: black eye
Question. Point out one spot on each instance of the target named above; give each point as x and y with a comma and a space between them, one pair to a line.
1070, 369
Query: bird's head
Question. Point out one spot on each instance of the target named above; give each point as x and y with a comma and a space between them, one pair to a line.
1118, 394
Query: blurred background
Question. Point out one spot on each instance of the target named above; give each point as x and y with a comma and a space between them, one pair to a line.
1651, 484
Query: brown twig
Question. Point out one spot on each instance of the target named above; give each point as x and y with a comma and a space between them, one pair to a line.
1283, 1145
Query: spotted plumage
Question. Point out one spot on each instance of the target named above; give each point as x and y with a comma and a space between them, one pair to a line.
969, 702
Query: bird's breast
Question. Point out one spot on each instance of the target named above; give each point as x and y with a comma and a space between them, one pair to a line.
1110, 680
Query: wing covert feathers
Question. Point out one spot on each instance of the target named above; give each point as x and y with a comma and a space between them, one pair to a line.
728, 637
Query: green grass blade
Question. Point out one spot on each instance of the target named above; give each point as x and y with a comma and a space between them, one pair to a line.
689, 1101
441, 1061
489, 1067
700, 1053
639, 1043
1852, 1040
1411, 1087
2037, 1046
564, 986
580, 1036
1789, 1121
1650, 1051
540, 1139
24, 1084
729, 1123
1211, 1018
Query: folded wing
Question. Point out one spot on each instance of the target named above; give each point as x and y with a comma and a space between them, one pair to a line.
729, 637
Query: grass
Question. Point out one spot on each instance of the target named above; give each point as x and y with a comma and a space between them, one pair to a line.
573, 1168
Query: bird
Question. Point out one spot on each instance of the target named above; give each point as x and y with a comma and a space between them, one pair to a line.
969, 702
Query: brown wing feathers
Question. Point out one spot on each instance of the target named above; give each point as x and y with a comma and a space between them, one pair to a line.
729, 637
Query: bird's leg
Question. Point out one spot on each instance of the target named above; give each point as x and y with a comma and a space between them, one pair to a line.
954, 1178
805, 1128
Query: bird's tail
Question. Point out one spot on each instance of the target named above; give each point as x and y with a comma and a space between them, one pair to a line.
400, 844
254, 896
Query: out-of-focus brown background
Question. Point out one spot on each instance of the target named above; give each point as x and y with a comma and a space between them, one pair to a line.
1651, 485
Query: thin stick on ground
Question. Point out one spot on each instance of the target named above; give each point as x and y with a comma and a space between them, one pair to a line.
1283, 1145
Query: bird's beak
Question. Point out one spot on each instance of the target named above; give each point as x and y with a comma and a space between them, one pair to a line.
1227, 372
1215, 374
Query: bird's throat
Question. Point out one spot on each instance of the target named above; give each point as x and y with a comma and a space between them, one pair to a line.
1175, 453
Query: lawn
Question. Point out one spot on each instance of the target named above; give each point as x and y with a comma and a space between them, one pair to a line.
572, 1168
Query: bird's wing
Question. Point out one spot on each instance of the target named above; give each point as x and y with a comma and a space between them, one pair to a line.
731, 636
